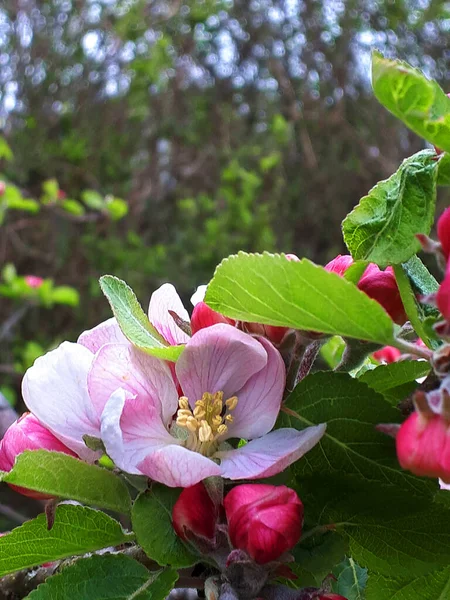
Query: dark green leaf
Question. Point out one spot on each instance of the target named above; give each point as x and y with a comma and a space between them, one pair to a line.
351, 443
420, 103
413, 309
396, 379
267, 288
76, 530
313, 562
134, 322
152, 523
382, 228
107, 577
433, 586
64, 476
351, 580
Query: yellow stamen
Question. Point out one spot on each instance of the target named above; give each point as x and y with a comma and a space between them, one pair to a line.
231, 403
222, 429
229, 418
183, 402
204, 432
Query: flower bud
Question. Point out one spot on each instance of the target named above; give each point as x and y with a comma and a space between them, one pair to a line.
443, 296
33, 281
382, 287
27, 433
2, 187
387, 355
264, 520
271, 332
423, 445
194, 515
339, 264
203, 316
443, 231
332, 597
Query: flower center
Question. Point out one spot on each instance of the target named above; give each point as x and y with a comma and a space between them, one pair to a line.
207, 423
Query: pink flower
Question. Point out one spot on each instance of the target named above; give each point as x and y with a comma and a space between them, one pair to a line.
264, 520
27, 433
423, 445
194, 514
339, 264
33, 281
443, 296
443, 231
387, 355
203, 316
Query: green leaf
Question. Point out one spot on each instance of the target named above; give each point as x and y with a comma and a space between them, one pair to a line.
420, 103
73, 207
397, 380
5, 150
444, 169
116, 207
64, 294
152, 522
64, 476
106, 577
382, 228
267, 288
93, 199
351, 580
76, 530
351, 444
313, 562
434, 586
134, 322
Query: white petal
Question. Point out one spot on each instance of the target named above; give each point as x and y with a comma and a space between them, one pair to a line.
164, 299
107, 332
198, 295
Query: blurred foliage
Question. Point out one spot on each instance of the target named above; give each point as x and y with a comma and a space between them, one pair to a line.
224, 125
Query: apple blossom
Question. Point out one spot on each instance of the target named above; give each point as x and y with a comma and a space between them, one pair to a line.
194, 514
33, 281
264, 520
27, 433
203, 316
443, 231
387, 355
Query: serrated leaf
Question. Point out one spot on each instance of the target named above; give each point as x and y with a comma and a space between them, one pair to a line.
152, 522
134, 322
396, 380
351, 580
107, 577
64, 476
76, 530
270, 289
417, 101
313, 562
444, 169
382, 227
434, 586
351, 444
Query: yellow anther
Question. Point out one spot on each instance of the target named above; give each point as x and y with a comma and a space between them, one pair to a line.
231, 403
204, 432
229, 418
199, 412
183, 402
217, 407
218, 396
200, 403
216, 421
182, 412
181, 421
192, 424
222, 429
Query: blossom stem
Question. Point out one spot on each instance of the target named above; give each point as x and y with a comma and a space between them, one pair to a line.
409, 348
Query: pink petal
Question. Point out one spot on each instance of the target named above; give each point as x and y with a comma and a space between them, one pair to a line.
107, 332
124, 366
218, 358
131, 429
164, 299
55, 391
176, 466
269, 454
260, 398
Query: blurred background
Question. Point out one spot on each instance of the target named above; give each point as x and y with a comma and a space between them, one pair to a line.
149, 139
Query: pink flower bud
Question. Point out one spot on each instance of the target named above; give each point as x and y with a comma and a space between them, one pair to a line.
382, 287
194, 515
292, 257
61, 195
271, 332
33, 281
443, 296
264, 520
2, 188
443, 231
387, 355
332, 597
339, 264
27, 433
423, 446
203, 316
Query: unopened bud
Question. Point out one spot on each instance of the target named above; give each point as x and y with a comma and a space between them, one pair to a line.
382, 287
194, 515
33, 281
203, 316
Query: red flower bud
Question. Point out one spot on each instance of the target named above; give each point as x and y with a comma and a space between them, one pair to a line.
382, 287
264, 520
443, 231
194, 514
33, 281
203, 316
332, 597
2, 187
271, 332
423, 446
339, 264
443, 296
387, 355
27, 433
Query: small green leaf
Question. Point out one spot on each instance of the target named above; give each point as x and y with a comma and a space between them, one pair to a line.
351, 580
107, 577
5, 150
73, 207
397, 380
64, 476
152, 522
116, 207
134, 322
421, 278
444, 169
76, 530
420, 103
93, 199
64, 294
270, 289
351, 444
382, 228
